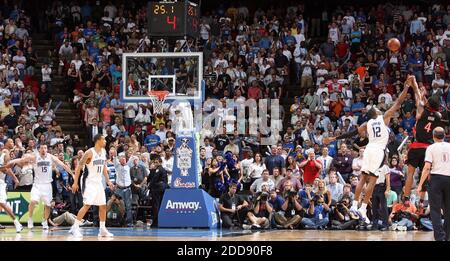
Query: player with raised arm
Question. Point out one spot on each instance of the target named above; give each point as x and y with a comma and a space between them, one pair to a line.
43, 163
374, 153
428, 118
94, 193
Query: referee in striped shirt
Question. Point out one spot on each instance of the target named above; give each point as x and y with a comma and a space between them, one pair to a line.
437, 163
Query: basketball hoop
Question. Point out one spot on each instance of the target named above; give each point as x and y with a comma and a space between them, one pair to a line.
158, 98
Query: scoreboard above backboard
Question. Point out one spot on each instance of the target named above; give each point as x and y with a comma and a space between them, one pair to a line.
173, 18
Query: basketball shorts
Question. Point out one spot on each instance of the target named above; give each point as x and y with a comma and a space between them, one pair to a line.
416, 157
94, 194
42, 192
373, 159
3, 195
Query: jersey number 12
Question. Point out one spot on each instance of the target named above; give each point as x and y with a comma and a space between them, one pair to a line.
376, 132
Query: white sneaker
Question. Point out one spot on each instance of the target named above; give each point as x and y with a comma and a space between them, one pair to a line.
103, 232
363, 213
393, 227
354, 209
75, 231
402, 228
30, 224
86, 223
45, 225
19, 227
246, 227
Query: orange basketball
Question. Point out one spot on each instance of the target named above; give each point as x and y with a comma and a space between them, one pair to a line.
393, 44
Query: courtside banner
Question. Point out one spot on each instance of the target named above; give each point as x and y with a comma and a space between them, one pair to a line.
19, 201
188, 208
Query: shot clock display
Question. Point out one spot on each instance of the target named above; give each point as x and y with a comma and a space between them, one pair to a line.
173, 18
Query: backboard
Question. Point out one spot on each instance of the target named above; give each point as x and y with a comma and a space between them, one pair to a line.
178, 73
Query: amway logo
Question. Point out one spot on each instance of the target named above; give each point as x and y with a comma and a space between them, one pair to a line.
182, 205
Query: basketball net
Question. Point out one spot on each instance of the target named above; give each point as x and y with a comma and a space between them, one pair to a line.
158, 98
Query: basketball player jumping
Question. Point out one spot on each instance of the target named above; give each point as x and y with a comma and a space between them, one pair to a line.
94, 193
374, 152
43, 163
427, 119
4, 158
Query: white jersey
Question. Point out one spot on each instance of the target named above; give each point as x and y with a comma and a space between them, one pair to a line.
43, 169
378, 133
95, 166
2, 162
438, 154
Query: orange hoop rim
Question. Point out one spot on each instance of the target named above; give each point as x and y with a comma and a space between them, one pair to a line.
161, 95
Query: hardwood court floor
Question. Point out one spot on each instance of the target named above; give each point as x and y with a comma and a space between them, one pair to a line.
140, 234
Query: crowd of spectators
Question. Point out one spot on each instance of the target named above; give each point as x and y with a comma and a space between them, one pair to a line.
334, 61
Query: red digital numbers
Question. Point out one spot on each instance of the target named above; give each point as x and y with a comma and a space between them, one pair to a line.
173, 22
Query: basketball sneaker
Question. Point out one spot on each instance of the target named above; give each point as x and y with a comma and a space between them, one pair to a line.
402, 228
393, 227
104, 233
45, 225
30, 224
75, 231
363, 213
18, 226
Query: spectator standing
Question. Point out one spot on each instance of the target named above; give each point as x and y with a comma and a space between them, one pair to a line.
379, 205
343, 162
46, 77
275, 161
311, 168
123, 184
158, 184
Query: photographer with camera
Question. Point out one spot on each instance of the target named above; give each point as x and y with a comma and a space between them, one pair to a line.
233, 208
318, 214
343, 218
115, 211
403, 216
289, 217
275, 200
295, 182
261, 214
306, 194
257, 184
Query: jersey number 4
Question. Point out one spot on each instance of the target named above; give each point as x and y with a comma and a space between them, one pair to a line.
428, 127
376, 132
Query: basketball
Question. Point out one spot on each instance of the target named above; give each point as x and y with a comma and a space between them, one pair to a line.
393, 44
